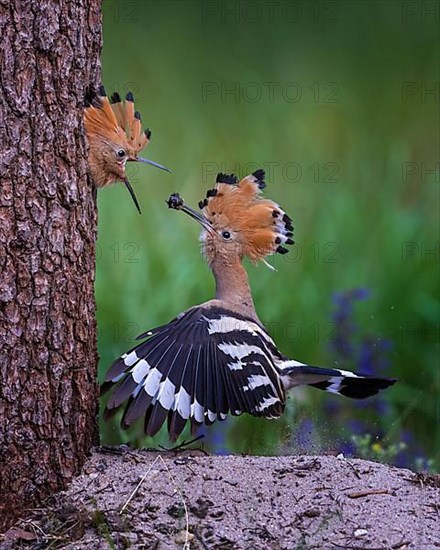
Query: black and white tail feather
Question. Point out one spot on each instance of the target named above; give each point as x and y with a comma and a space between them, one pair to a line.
210, 362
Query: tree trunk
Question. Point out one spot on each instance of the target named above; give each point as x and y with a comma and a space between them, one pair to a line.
48, 358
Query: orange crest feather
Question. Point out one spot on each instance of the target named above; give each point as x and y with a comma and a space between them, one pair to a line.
115, 121
261, 225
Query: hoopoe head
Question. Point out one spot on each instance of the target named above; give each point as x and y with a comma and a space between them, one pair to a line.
237, 222
115, 137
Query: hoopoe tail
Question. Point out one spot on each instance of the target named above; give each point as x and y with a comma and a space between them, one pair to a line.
341, 382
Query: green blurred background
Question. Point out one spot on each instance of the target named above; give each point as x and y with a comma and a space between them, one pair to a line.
339, 102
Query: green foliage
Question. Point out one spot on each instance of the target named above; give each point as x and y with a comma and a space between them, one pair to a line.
363, 216
375, 450
100, 522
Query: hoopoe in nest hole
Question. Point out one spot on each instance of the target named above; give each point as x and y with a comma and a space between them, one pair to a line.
217, 358
115, 137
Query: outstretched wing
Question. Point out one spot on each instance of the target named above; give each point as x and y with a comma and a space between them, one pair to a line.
204, 364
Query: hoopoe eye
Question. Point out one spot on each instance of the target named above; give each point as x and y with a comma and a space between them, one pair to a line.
226, 235
120, 153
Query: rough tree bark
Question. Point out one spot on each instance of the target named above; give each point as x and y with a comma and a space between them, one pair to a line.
49, 55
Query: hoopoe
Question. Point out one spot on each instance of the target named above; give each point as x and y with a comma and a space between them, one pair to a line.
115, 136
217, 358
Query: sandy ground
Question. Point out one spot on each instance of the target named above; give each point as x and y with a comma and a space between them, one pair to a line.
169, 500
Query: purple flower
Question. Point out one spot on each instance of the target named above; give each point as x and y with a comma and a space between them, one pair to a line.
356, 427
366, 357
342, 317
360, 293
367, 353
332, 406
303, 435
215, 437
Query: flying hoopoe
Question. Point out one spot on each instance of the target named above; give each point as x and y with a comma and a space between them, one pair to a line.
115, 136
217, 358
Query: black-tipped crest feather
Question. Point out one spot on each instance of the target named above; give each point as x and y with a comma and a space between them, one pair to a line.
226, 178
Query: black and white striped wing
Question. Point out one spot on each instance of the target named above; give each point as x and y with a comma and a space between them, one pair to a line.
204, 364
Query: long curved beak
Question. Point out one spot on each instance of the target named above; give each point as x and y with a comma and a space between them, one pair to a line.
133, 196
177, 203
152, 163
128, 185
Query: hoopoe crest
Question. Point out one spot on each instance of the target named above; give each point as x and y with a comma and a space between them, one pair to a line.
237, 222
115, 135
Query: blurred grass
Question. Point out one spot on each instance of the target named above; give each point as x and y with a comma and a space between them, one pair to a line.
352, 229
